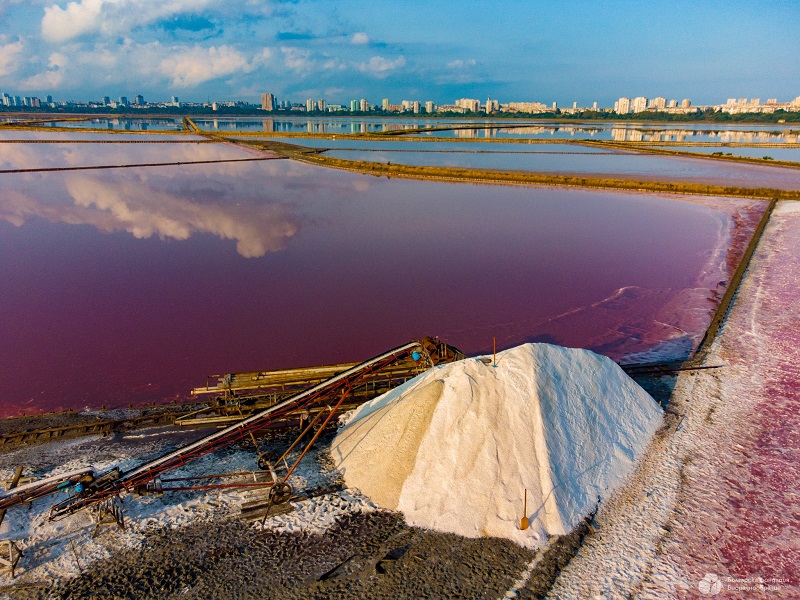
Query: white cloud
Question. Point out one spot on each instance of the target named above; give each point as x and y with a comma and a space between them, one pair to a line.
61, 24
380, 66
196, 65
359, 38
58, 60
297, 59
9, 57
109, 17
262, 57
460, 64
50, 79
333, 64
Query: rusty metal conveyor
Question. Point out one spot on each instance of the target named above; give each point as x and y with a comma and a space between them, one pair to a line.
113, 483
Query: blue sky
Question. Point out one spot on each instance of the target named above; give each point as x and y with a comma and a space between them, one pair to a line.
564, 51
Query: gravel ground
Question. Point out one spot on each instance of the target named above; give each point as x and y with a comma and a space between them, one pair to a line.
370, 555
363, 554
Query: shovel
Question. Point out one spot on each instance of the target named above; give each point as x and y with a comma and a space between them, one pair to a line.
523, 524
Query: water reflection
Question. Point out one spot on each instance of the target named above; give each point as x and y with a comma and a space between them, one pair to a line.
98, 310
44, 155
145, 204
623, 165
630, 133
62, 136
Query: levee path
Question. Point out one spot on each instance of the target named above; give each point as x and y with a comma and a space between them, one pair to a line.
715, 507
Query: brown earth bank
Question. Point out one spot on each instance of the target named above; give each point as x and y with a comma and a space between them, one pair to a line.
487, 176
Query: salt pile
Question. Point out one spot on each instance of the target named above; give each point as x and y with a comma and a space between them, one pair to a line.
454, 448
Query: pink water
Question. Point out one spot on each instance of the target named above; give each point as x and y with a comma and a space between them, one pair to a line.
43, 155
742, 514
131, 285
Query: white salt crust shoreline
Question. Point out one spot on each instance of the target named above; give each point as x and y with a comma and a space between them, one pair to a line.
697, 463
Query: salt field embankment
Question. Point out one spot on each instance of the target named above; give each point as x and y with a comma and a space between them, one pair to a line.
716, 497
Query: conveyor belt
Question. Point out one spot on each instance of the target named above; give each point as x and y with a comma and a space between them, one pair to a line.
334, 386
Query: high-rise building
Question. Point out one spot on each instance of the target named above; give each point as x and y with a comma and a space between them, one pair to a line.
469, 104
322, 105
686, 103
174, 101
353, 105
363, 105
139, 100
639, 104
622, 106
123, 101
310, 105
415, 107
268, 101
385, 104
49, 99
594, 105
429, 106
106, 100
672, 104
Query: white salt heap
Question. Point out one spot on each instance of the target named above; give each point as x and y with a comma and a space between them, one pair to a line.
454, 448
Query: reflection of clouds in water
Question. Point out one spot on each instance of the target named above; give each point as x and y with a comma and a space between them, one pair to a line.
145, 211
43, 156
261, 205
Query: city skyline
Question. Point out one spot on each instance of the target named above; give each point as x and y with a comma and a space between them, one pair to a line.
569, 52
270, 103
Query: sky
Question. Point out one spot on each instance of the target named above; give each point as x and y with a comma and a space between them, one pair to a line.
440, 50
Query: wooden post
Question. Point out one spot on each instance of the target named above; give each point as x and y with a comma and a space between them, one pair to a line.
9, 556
494, 352
108, 512
12, 485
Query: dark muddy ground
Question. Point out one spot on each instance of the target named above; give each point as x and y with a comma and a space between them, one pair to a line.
370, 555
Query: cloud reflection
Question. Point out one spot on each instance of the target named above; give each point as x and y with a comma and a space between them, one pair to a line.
145, 211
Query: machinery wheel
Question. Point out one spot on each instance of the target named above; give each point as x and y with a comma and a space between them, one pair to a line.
280, 493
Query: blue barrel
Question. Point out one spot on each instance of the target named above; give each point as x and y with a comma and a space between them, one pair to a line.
416, 355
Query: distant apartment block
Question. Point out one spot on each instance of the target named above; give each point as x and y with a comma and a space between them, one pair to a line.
468, 104
523, 107
622, 106
269, 101
639, 104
